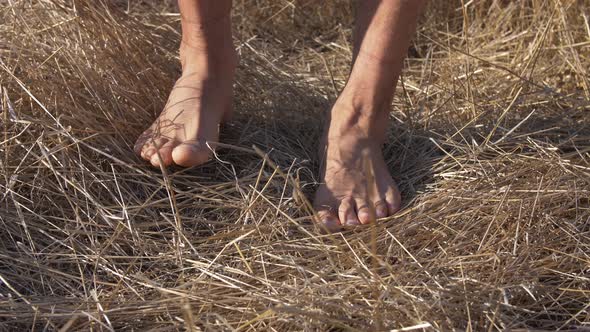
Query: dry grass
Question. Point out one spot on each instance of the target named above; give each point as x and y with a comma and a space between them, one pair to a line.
490, 143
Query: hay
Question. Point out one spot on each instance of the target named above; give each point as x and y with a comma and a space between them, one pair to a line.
490, 144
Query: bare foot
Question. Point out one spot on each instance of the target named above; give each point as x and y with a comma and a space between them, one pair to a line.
188, 128
356, 184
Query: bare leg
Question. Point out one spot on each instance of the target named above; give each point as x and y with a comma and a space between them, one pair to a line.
202, 96
351, 150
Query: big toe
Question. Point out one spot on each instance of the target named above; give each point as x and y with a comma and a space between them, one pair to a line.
329, 221
190, 154
393, 199
381, 209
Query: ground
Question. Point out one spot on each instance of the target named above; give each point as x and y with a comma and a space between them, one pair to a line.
490, 144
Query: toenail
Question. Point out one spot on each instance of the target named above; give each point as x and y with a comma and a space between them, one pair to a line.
395, 207
331, 223
194, 147
352, 222
381, 211
191, 147
366, 216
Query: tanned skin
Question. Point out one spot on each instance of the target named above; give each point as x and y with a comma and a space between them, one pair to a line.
351, 147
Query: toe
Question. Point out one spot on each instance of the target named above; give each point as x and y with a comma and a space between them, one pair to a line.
138, 147
364, 211
393, 199
163, 155
148, 151
346, 212
141, 141
381, 209
329, 220
190, 154
150, 146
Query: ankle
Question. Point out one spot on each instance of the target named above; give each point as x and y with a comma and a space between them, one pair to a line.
357, 115
208, 45
212, 60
